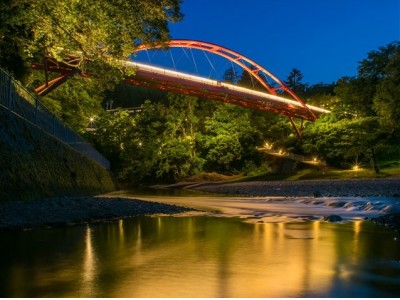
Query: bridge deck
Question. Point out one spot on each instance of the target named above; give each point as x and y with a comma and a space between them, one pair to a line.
172, 81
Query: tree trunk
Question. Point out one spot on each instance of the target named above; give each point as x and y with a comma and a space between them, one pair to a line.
376, 168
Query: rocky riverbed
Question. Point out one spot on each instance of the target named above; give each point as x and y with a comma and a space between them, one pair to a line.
67, 211
379, 187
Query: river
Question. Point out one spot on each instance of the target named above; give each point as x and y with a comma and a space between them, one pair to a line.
203, 256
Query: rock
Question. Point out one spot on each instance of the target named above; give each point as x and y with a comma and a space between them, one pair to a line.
390, 209
333, 218
317, 194
391, 221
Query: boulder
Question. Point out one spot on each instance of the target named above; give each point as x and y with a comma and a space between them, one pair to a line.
333, 218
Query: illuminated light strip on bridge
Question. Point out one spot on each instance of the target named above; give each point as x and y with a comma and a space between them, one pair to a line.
218, 84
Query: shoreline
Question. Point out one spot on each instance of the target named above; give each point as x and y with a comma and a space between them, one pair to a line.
69, 211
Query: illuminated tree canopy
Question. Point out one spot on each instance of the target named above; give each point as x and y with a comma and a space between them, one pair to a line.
96, 30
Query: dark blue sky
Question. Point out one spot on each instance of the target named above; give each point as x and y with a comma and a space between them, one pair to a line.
324, 39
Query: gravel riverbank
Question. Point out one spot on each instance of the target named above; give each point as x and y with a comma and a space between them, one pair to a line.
66, 211
379, 187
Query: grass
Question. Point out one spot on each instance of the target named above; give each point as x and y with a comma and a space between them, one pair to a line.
387, 169
308, 174
211, 177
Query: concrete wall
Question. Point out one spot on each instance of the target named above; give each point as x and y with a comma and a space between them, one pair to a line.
34, 165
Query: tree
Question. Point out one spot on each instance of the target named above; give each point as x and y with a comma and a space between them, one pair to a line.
343, 141
75, 102
294, 82
229, 139
231, 75
386, 101
178, 155
111, 136
365, 112
145, 142
98, 33
15, 29
375, 93
357, 93
157, 144
246, 80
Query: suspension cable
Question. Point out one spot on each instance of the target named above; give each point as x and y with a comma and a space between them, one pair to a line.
148, 55
211, 64
172, 58
194, 61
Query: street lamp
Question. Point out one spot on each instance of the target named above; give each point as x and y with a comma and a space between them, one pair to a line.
267, 145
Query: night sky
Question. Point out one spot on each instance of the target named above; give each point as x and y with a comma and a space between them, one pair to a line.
324, 39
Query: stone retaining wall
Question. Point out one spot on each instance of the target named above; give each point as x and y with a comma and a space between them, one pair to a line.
33, 164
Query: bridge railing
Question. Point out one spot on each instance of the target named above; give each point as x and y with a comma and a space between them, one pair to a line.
21, 102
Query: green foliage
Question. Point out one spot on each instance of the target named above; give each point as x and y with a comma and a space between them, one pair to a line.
229, 139
178, 155
75, 102
357, 93
363, 124
97, 32
341, 141
16, 22
111, 135
169, 142
386, 101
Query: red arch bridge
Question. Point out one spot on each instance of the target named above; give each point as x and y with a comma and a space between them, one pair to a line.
276, 97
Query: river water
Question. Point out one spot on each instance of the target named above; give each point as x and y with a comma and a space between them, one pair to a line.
202, 256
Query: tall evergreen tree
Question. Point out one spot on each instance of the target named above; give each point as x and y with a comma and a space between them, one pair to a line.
231, 75
294, 82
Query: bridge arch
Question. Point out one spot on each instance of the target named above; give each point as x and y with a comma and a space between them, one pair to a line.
253, 68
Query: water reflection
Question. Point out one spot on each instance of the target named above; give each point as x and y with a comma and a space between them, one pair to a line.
89, 267
202, 257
